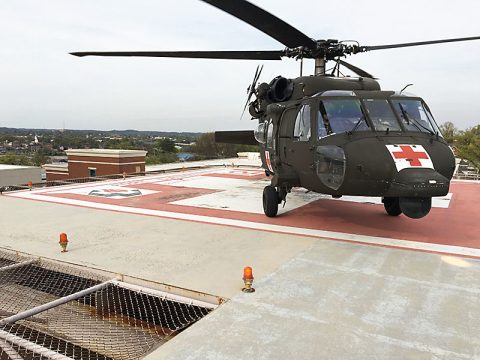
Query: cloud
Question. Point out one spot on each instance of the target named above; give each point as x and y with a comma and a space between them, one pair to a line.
41, 85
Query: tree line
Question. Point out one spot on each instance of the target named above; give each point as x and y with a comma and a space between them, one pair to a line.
465, 143
205, 147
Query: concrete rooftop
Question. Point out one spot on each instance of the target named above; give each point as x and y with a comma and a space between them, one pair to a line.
14, 167
316, 296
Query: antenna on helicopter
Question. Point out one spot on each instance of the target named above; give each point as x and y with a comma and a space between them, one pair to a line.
406, 86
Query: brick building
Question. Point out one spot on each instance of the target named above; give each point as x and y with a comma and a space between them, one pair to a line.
97, 162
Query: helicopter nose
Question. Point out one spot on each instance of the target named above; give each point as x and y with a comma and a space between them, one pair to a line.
419, 182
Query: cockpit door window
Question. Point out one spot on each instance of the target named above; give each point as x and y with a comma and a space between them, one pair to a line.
302, 130
270, 141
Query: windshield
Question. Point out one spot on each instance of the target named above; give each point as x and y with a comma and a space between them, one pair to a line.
340, 115
381, 114
414, 115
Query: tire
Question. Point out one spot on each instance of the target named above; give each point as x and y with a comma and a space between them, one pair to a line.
415, 208
270, 201
392, 206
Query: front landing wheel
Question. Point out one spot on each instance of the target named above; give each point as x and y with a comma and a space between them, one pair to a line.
392, 206
270, 201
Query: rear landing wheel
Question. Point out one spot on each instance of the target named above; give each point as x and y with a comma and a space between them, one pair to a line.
392, 206
270, 201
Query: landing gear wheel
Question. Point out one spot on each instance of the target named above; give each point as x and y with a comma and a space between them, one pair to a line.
415, 208
392, 206
270, 201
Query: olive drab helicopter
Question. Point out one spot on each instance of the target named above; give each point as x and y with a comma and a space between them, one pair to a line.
332, 134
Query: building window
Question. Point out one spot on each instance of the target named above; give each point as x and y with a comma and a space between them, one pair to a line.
92, 172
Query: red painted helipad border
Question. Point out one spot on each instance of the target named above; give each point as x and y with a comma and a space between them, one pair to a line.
455, 226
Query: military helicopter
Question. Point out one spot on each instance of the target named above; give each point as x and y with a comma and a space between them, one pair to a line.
332, 134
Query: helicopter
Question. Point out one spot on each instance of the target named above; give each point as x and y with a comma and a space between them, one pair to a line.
330, 133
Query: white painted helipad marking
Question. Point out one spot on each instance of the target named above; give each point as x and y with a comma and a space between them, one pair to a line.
98, 190
240, 172
247, 199
120, 182
365, 239
207, 182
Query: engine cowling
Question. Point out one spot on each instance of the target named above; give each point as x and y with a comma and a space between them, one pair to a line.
281, 89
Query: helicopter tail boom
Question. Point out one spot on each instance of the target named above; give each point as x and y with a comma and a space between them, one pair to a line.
240, 137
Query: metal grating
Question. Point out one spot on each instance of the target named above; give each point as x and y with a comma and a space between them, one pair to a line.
116, 321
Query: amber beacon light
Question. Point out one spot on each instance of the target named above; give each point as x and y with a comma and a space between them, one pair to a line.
248, 280
63, 242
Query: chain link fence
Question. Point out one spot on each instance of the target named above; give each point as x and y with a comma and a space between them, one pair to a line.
52, 311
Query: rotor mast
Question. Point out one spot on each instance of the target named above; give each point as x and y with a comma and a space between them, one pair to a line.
320, 66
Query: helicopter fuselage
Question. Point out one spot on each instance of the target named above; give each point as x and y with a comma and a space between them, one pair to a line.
356, 142
359, 140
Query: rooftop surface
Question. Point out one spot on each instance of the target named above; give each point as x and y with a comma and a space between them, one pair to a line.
112, 152
333, 278
14, 167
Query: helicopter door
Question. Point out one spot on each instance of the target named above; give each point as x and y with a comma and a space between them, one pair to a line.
300, 150
285, 132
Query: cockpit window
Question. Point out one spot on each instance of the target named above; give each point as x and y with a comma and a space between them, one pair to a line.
381, 114
270, 135
340, 115
414, 115
302, 129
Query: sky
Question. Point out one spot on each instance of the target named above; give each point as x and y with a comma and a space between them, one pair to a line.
42, 86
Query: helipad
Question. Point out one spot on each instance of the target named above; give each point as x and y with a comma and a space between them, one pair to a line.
334, 278
232, 197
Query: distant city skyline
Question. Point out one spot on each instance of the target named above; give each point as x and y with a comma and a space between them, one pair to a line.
41, 86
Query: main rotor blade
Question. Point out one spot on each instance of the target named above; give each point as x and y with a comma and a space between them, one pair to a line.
240, 55
392, 46
356, 70
265, 22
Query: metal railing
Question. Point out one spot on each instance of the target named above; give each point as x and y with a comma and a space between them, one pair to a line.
467, 176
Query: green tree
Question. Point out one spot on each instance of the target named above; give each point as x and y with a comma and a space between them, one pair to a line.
167, 145
449, 131
9, 159
207, 148
13, 159
467, 145
39, 158
123, 144
160, 158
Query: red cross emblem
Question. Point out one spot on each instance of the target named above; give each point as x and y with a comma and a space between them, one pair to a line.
413, 157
